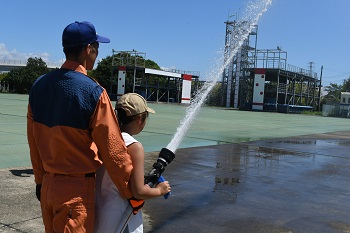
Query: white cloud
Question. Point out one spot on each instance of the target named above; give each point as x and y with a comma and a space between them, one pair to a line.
3, 51
5, 54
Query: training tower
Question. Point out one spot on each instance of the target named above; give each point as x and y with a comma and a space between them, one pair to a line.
239, 60
129, 74
261, 79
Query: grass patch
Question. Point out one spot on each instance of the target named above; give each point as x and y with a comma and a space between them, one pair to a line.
312, 113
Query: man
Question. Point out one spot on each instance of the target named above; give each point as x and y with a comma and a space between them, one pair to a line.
72, 128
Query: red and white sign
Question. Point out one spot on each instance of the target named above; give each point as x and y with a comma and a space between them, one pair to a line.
186, 89
259, 88
121, 81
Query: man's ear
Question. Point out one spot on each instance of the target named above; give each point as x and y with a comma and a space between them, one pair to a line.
85, 51
88, 49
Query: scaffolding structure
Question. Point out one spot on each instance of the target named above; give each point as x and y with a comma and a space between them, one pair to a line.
239, 63
132, 61
153, 85
286, 88
166, 86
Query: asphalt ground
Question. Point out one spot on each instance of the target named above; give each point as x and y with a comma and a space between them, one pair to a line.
234, 172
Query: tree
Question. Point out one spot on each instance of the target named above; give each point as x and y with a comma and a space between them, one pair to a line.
21, 80
36, 66
333, 93
3, 76
346, 85
214, 96
102, 73
151, 64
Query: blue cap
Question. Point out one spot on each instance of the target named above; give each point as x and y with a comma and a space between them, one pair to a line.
81, 34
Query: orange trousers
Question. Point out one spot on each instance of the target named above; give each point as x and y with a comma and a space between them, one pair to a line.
67, 203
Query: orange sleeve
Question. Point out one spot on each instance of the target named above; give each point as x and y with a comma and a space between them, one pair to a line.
111, 147
34, 153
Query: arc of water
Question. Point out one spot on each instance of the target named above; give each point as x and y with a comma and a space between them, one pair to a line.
254, 11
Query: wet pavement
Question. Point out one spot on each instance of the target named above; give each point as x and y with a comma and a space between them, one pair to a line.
296, 184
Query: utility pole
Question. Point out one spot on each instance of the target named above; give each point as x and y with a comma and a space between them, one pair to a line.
311, 67
319, 91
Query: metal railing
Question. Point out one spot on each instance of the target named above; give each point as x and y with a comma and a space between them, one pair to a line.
194, 73
275, 64
10, 62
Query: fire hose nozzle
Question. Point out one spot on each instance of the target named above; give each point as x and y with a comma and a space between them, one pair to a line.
166, 155
164, 158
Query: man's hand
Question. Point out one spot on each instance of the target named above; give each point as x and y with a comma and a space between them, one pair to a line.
38, 191
136, 204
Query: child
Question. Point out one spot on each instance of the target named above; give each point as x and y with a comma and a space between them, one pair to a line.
132, 112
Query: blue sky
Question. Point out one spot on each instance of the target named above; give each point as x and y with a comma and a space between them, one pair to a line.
183, 34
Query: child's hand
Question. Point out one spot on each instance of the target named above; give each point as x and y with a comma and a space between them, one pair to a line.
164, 187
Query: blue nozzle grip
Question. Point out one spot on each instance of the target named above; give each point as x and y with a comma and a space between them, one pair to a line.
160, 180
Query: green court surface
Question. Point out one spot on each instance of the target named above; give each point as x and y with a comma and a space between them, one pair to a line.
212, 126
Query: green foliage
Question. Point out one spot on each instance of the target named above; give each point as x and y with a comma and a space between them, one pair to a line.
312, 113
334, 91
3, 76
151, 65
214, 97
21, 80
102, 73
346, 85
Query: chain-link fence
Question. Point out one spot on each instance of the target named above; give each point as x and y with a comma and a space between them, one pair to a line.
336, 110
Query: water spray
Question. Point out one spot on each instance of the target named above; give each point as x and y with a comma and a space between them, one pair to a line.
253, 13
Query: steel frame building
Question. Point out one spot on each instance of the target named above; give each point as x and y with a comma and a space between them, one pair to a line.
261, 79
174, 86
